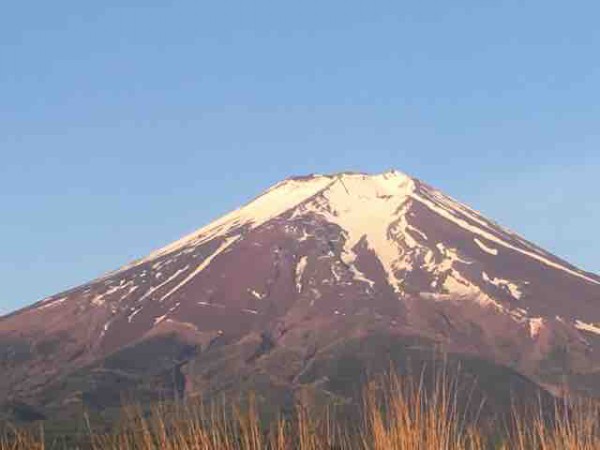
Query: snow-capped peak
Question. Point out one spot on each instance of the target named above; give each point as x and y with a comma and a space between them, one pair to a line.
373, 206
282, 197
370, 207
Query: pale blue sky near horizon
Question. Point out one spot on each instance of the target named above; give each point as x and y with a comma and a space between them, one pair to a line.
124, 125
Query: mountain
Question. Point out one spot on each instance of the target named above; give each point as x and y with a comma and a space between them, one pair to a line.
313, 284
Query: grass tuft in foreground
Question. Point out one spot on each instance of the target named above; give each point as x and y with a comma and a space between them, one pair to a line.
397, 414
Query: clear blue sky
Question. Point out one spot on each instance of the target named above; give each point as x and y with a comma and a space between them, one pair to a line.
124, 125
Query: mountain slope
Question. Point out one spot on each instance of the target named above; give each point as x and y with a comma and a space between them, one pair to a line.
314, 262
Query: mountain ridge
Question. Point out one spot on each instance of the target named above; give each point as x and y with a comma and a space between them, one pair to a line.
331, 257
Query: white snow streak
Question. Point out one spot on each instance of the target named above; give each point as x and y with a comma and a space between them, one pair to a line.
417, 231
153, 289
490, 237
51, 303
215, 305
485, 248
587, 327
160, 319
300, 267
133, 314
227, 243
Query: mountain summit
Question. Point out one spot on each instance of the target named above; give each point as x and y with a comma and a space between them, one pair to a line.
277, 289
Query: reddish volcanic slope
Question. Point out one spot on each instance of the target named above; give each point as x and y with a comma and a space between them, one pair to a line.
333, 256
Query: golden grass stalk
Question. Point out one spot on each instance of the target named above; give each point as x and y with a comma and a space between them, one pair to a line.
397, 414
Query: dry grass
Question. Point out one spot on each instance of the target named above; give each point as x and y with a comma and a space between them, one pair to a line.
574, 426
14, 439
398, 414
401, 415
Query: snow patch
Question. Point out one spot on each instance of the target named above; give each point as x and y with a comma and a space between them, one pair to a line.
153, 289
98, 300
417, 231
485, 248
216, 305
587, 327
160, 319
461, 288
513, 289
105, 329
305, 236
336, 276
535, 325
257, 295
133, 314
518, 313
358, 275
300, 267
50, 303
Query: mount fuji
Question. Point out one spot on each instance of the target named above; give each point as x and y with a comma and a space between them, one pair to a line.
317, 281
